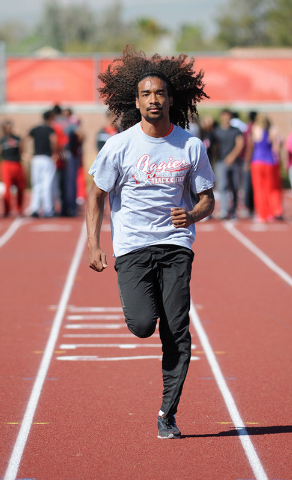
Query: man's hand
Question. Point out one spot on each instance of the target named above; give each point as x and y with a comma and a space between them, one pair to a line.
180, 218
97, 259
229, 160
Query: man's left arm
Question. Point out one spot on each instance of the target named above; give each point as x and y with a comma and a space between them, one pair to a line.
237, 149
205, 206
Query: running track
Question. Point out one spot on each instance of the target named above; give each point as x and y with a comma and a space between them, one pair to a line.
80, 396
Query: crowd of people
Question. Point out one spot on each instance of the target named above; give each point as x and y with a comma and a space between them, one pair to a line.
56, 173
246, 158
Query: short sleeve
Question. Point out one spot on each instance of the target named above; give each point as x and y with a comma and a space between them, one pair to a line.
202, 176
105, 169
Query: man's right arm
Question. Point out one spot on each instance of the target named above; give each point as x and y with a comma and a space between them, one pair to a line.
94, 216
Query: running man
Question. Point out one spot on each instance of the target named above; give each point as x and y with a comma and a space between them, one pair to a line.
160, 183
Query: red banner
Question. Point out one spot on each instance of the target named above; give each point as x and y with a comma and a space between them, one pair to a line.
247, 80
56, 80
70, 80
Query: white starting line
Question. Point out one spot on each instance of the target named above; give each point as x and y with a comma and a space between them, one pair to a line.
95, 317
95, 358
103, 335
96, 326
73, 308
71, 346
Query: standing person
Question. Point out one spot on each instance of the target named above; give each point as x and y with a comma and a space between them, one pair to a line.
108, 130
151, 170
74, 154
265, 170
229, 144
70, 124
288, 157
207, 135
59, 180
247, 183
11, 149
43, 167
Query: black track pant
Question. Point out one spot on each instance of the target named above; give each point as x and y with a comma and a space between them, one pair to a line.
154, 283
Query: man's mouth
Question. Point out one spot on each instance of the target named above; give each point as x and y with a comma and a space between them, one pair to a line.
154, 109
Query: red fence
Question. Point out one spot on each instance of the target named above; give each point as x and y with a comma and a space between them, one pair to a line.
227, 80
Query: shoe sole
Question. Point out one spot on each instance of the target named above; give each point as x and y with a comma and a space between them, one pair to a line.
170, 436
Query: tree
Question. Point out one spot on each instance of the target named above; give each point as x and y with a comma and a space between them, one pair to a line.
245, 23
280, 16
50, 30
191, 39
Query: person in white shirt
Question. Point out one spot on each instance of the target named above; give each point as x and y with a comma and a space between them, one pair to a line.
160, 183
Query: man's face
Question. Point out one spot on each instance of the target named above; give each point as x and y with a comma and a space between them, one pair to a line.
225, 118
153, 100
8, 128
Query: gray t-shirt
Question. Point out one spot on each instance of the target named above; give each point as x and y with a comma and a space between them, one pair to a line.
225, 138
146, 177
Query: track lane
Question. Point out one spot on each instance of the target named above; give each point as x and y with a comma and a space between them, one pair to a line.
33, 270
106, 416
94, 420
247, 314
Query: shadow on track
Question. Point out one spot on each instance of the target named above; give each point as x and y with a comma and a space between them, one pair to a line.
247, 431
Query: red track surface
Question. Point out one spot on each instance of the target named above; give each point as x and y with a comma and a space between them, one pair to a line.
96, 419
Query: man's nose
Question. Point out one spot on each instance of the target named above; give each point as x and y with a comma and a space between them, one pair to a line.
153, 98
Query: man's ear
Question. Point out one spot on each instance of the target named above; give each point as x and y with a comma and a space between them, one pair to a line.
137, 103
171, 101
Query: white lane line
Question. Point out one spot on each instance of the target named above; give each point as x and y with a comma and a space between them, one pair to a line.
227, 396
95, 317
94, 358
103, 335
259, 253
15, 225
72, 308
205, 227
50, 227
96, 326
71, 346
27, 421
261, 227
106, 227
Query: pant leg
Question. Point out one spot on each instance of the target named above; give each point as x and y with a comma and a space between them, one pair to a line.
290, 175
7, 180
71, 183
259, 184
20, 183
36, 183
248, 191
174, 264
48, 175
275, 200
222, 186
138, 287
233, 178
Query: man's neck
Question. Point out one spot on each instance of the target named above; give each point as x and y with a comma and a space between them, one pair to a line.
156, 129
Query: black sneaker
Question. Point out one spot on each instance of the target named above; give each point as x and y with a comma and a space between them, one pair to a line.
167, 427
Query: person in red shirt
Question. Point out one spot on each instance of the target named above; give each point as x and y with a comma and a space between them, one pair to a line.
11, 149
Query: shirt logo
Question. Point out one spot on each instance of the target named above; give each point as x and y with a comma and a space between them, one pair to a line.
170, 172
